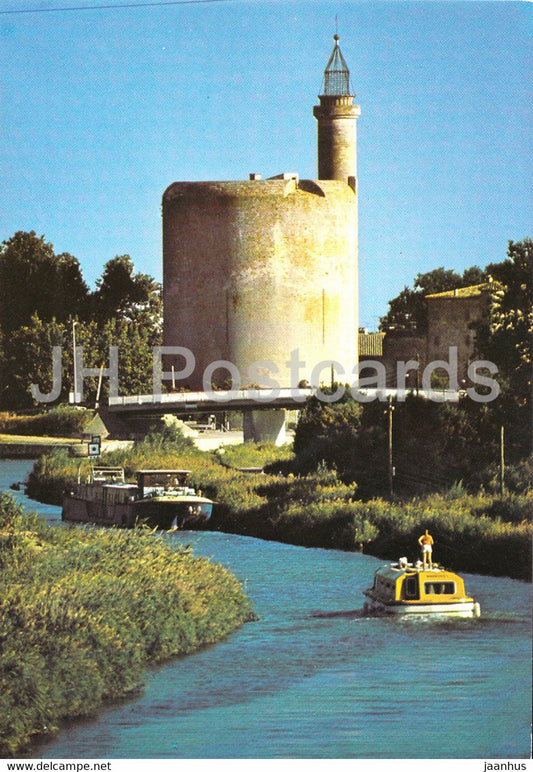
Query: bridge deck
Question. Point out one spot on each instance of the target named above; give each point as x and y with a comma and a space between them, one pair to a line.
248, 399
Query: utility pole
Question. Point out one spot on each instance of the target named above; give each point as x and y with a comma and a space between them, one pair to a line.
97, 401
502, 460
390, 409
75, 389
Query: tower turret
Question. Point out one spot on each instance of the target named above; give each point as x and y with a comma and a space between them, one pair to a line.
336, 115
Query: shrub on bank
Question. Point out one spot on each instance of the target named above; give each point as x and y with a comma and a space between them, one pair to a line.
468, 535
51, 474
83, 612
252, 454
58, 422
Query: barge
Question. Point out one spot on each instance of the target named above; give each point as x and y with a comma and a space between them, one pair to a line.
161, 498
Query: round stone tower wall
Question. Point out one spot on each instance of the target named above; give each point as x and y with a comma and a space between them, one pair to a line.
337, 137
254, 271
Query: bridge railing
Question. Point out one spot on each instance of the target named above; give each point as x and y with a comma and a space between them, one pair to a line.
280, 396
203, 397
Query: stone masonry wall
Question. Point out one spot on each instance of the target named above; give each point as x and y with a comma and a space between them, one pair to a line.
255, 270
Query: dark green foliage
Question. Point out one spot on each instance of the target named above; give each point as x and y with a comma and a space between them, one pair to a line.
506, 337
518, 477
434, 444
58, 422
328, 433
83, 612
164, 437
36, 281
51, 474
43, 294
134, 340
124, 294
27, 359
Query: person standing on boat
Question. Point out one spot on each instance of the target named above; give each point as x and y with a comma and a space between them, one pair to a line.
426, 542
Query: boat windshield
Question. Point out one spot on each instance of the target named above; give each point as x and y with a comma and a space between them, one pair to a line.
171, 477
107, 474
439, 588
164, 482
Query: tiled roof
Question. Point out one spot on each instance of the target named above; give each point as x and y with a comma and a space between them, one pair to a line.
468, 292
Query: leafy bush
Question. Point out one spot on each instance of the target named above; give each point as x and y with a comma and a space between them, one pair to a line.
52, 473
327, 433
518, 477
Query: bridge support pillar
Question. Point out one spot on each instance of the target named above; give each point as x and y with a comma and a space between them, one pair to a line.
264, 426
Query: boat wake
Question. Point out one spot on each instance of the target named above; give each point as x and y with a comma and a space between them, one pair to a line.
352, 614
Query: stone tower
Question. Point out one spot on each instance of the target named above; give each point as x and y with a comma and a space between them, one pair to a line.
261, 272
336, 115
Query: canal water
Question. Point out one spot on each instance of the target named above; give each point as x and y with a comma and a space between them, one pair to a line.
315, 679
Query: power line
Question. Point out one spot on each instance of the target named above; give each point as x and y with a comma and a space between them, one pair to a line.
112, 5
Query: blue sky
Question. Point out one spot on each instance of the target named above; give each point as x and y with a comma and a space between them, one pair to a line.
100, 110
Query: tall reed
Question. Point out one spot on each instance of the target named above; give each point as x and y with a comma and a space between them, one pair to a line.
84, 611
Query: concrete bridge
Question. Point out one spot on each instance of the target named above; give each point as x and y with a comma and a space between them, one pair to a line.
264, 410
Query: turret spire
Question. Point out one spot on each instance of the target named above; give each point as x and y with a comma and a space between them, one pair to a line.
337, 74
336, 115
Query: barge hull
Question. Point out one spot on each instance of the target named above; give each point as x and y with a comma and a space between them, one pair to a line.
78, 510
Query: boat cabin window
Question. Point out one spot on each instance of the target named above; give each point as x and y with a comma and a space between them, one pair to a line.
439, 588
410, 587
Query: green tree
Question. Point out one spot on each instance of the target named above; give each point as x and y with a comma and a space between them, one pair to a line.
406, 314
27, 360
354, 438
135, 297
506, 338
134, 343
34, 280
327, 432
42, 293
347, 436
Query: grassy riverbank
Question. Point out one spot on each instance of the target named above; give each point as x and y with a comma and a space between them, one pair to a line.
480, 533
83, 612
